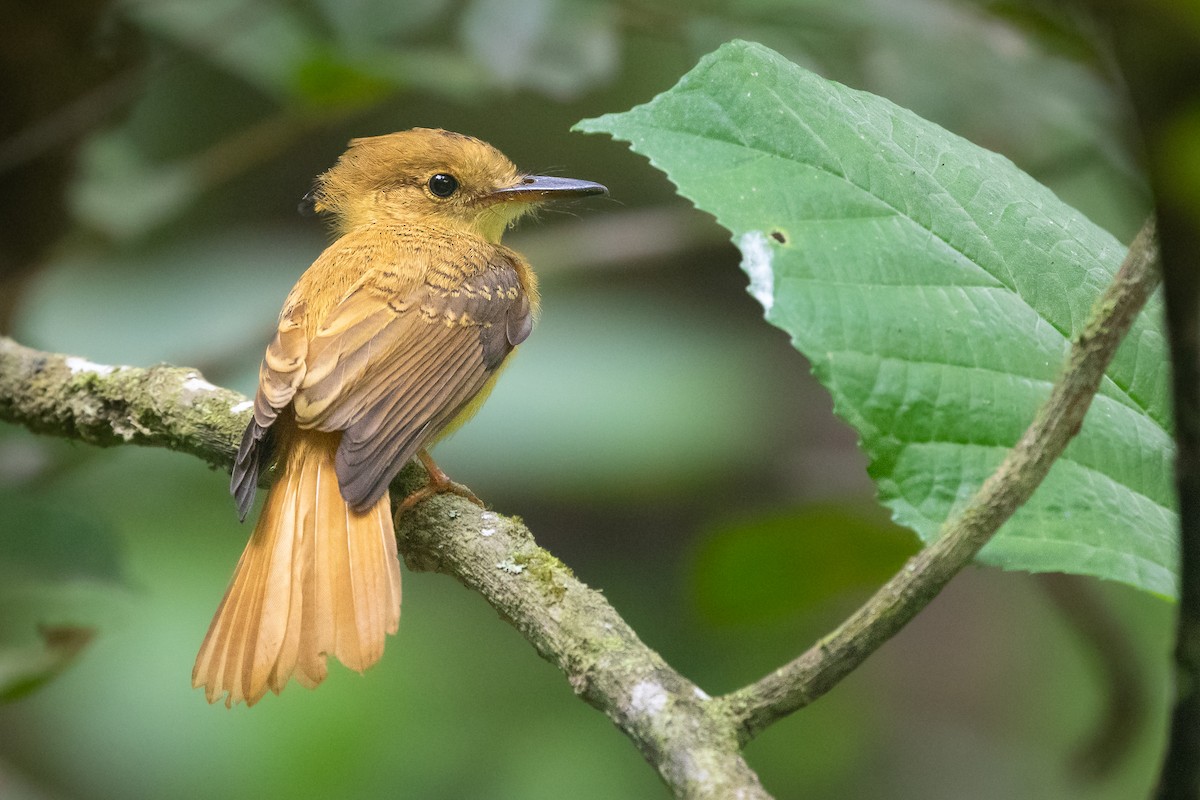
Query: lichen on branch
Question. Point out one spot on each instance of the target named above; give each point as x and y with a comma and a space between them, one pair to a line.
105, 405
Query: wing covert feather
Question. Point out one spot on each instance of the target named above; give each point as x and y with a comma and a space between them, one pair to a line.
394, 358
391, 370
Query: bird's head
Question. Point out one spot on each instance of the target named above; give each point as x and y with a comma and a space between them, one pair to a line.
428, 175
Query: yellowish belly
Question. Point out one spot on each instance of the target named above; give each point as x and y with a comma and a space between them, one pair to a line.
475, 403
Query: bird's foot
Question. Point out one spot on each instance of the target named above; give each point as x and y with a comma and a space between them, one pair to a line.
439, 483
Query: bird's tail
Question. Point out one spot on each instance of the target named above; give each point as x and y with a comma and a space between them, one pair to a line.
316, 579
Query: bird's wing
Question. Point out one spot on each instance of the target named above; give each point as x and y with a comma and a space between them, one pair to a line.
390, 366
279, 376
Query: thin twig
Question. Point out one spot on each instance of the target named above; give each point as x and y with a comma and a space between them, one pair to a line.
885, 614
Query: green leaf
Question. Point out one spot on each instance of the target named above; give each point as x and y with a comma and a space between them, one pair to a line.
260, 42
61, 579
42, 542
746, 571
935, 288
559, 47
26, 669
365, 24
325, 79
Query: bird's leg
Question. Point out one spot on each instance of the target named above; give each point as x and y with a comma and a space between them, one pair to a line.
439, 483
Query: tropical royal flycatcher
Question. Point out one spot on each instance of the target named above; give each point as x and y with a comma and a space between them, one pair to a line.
388, 342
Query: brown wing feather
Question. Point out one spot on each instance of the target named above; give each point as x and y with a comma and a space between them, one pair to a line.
283, 368
392, 361
391, 370
374, 448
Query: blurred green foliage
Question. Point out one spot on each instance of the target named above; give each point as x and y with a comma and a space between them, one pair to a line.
749, 570
650, 401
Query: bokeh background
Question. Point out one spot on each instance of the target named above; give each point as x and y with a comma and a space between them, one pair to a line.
655, 433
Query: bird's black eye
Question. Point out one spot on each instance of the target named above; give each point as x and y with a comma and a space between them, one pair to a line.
443, 185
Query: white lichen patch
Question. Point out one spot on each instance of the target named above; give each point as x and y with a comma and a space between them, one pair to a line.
238, 408
78, 365
510, 566
488, 520
194, 383
648, 698
756, 261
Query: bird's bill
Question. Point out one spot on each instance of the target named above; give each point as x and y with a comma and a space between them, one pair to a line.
537, 188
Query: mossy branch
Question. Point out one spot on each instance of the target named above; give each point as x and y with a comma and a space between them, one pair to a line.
104, 405
692, 739
688, 737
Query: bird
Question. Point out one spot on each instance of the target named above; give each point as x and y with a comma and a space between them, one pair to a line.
389, 341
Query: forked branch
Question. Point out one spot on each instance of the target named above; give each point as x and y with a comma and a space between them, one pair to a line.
693, 740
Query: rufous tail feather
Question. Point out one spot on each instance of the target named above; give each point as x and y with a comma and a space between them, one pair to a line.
316, 579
